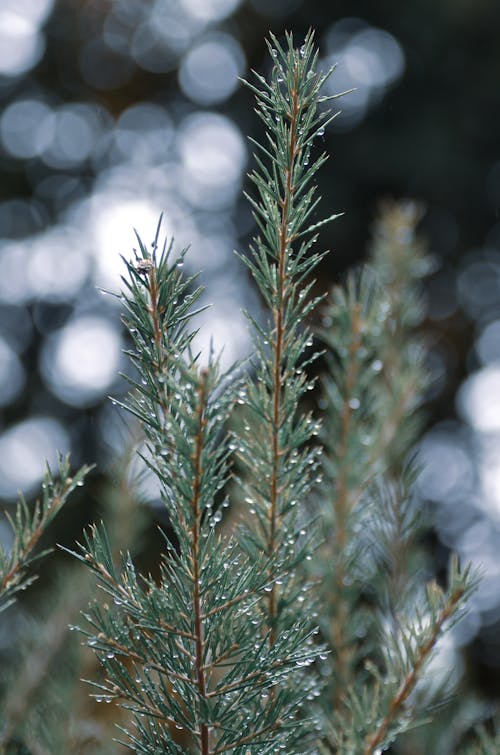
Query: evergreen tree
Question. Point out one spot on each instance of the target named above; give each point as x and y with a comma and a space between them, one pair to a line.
221, 652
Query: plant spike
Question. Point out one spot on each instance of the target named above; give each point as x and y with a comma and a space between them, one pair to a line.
374, 384
369, 584
28, 528
278, 465
409, 651
377, 711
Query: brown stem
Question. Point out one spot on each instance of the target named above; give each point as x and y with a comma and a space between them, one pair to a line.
197, 607
343, 505
155, 316
411, 678
157, 333
161, 364
285, 239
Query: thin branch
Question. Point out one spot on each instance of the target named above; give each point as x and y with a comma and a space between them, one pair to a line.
410, 680
197, 607
279, 313
30, 545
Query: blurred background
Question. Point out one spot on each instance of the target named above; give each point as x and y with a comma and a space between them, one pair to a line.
112, 111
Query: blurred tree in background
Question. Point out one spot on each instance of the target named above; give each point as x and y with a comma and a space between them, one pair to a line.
113, 111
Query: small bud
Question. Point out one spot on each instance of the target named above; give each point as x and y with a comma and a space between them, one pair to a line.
144, 266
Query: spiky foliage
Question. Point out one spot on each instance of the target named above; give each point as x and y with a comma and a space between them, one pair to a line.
42, 701
374, 382
188, 655
376, 615
400, 262
278, 462
28, 527
384, 707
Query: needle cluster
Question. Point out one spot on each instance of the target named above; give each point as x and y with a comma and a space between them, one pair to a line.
28, 526
380, 620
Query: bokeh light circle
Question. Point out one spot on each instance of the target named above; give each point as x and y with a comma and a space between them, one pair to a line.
81, 360
24, 448
209, 71
213, 157
478, 399
210, 10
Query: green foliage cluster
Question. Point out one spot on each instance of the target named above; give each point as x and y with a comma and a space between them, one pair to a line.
28, 527
302, 624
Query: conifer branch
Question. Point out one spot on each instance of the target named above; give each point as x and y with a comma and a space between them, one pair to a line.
374, 386
420, 648
272, 446
373, 389
28, 529
352, 417
182, 652
278, 315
